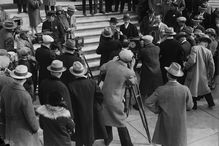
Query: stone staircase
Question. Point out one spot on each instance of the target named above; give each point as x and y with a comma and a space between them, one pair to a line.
214, 3
89, 27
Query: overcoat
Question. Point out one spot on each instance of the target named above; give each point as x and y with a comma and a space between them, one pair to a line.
108, 48
44, 57
150, 75
84, 93
34, 12
18, 115
52, 84
49, 2
56, 122
117, 75
200, 69
7, 40
170, 102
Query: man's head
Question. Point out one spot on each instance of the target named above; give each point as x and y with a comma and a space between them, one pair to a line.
148, 39
204, 40
56, 68
51, 16
59, 10
71, 10
126, 18
113, 22
174, 71
126, 56
20, 74
158, 18
181, 21
70, 46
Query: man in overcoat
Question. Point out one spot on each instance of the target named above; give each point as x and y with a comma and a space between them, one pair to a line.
69, 56
170, 102
118, 75
85, 97
170, 51
44, 57
200, 70
53, 83
17, 111
150, 77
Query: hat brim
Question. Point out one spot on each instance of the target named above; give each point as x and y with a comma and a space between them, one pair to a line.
82, 74
205, 39
75, 10
114, 22
107, 36
50, 69
179, 74
169, 33
28, 75
5, 27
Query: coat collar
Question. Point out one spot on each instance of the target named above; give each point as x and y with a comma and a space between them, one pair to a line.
17, 86
53, 112
172, 83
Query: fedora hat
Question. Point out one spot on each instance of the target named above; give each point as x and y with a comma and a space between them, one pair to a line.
107, 32
20, 72
189, 30
126, 55
56, 66
78, 69
113, 20
204, 38
197, 18
175, 70
181, 34
70, 45
169, 31
9, 24
72, 8
211, 31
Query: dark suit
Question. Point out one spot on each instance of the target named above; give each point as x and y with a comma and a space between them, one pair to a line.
130, 32
206, 23
170, 51
68, 60
44, 57
170, 18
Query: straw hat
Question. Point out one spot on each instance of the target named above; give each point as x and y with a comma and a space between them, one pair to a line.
78, 69
56, 66
126, 55
175, 70
20, 72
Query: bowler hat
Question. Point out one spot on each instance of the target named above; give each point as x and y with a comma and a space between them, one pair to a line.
20, 72
9, 24
169, 31
126, 17
72, 8
126, 55
56, 66
175, 70
113, 20
70, 44
78, 69
107, 32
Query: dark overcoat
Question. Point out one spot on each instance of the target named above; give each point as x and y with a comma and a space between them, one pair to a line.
56, 124
84, 93
170, 51
130, 32
150, 75
44, 57
50, 85
108, 48
18, 115
34, 12
68, 59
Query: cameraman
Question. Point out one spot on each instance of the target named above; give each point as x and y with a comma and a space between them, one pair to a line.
69, 56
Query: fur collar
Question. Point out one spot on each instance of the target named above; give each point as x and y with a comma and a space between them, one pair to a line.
53, 112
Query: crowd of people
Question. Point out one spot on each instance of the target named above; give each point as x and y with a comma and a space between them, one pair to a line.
178, 53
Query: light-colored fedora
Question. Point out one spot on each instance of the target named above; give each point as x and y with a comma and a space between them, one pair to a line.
78, 69
175, 70
72, 8
56, 66
9, 24
47, 39
169, 31
20, 72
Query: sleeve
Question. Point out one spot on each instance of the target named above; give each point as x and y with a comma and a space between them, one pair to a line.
29, 114
66, 95
152, 102
189, 101
41, 122
191, 59
98, 94
103, 68
211, 66
70, 124
135, 31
